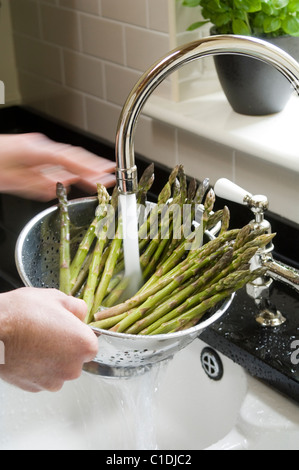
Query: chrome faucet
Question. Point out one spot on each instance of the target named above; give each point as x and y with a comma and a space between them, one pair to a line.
125, 158
214, 45
260, 289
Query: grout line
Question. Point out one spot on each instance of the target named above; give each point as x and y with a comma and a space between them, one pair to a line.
147, 15
100, 7
124, 46
105, 94
80, 32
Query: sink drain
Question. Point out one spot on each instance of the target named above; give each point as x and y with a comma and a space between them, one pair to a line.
212, 364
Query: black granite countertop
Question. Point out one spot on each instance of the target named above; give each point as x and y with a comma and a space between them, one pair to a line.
269, 354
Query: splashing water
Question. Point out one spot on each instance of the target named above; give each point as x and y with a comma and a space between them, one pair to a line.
128, 205
134, 403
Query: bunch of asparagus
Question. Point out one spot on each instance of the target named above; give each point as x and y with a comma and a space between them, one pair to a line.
183, 277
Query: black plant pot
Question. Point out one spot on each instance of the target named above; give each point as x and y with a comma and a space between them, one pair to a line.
253, 87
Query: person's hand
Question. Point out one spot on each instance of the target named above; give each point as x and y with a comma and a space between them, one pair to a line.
45, 340
32, 164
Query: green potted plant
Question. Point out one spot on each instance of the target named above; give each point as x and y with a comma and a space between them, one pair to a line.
252, 87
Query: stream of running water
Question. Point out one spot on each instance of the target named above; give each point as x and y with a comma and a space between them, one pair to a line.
129, 212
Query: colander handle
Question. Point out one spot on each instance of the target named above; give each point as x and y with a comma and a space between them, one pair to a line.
226, 189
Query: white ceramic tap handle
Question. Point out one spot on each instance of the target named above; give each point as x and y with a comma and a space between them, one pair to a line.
226, 189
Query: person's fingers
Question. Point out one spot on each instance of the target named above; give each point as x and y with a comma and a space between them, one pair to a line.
76, 160
88, 340
41, 150
76, 306
55, 173
90, 184
36, 186
82, 162
74, 165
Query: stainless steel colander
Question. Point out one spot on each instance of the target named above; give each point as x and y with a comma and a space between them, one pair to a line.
120, 355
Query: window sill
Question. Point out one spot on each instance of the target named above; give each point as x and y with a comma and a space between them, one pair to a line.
271, 138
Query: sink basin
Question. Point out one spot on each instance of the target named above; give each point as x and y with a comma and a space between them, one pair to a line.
174, 407
266, 421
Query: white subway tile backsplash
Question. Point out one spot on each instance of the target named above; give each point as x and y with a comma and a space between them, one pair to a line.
119, 82
158, 15
83, 73
89, 6
65, 105
38, 58
126, 11
102, 38
60, 27
97, 47
102, 118
143, 47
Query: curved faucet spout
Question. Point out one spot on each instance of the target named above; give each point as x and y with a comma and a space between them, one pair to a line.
214, 45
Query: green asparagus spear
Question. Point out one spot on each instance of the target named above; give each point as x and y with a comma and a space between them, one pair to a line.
171, 273
108, 271
201, 191
82, 276
208, 208
138, 313
183, 184
177, 275
185, 294
100, 257
225, 220
196, 313
118, 294
191, 191
215, 274
65, 256
242, 237
94, 272
89, 237
180, 252
145, 183
164, 229
107, 323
